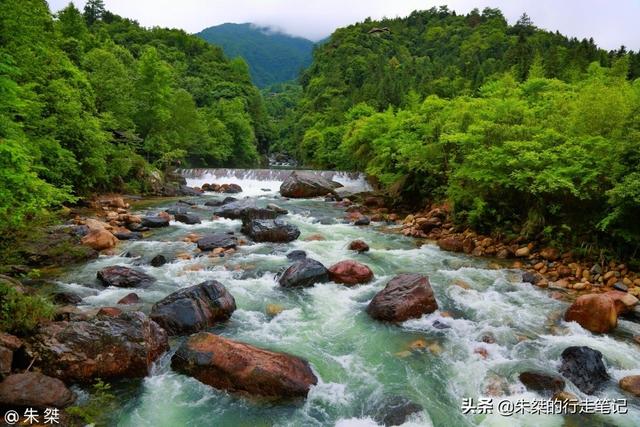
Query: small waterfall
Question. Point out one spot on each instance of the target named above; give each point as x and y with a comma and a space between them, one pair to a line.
256, 182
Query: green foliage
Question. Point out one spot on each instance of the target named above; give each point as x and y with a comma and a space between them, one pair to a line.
273, 57
94, 102
20, 313
524, 131
97, 409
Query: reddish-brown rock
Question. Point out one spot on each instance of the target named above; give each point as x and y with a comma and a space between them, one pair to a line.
109, 312
350, 273
242, 368
358, 246
32, 389
550, 254
131, 298
103, 347
631, 384
8, 344
100, 239
451, 244
405, 297
595, 312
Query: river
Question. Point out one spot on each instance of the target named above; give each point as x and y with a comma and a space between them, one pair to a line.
359, 362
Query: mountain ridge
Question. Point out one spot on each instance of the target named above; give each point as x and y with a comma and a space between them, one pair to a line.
273, 56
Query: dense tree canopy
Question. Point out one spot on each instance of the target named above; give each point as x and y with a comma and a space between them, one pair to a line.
524, 131
92, 101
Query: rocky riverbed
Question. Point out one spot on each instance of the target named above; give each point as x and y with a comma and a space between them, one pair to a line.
318, 311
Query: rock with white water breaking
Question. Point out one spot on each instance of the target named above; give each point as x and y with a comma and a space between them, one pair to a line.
242, 368
350, 273
267, 230
217, 240
304, 273
194, 308
125, 277
406, 296
306, 184
584, 367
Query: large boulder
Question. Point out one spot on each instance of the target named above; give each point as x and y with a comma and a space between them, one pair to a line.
599, 312
247, 210
100, 239
270, 230
406, 296
350, 273
305, 184
584, 367
242, 368
187, 218
155, 221
304, 273
230, 188
33, 389
124, 277
194, 308
217, 240
122, 346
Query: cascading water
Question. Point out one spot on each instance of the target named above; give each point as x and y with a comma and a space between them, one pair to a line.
359, 362
261, 182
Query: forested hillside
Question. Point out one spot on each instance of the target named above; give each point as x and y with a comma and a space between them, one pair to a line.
273, 57
523, 131
90, 101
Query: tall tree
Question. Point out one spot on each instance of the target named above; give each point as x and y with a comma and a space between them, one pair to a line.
93, 11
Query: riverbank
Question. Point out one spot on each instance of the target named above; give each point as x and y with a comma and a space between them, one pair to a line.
547, 265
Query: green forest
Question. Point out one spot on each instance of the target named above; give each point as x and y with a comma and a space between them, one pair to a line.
92, 102
523, 131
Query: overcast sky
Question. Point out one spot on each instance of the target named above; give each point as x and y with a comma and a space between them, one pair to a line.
610, 22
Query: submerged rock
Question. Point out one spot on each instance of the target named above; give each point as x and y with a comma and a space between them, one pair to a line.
266, 230
363, 220
541, 382
350, 273
584, 367
194, 308
158, 261
124, 277
187, 218
104, 347
406, 296
358, 246
305, 184
242, 368
217, 240
33, 389
395, 410
296, 255
304, 273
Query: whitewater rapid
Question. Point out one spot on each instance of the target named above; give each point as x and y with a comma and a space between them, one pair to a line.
357, 360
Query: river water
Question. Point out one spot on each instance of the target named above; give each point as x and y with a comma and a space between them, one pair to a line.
359, 362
